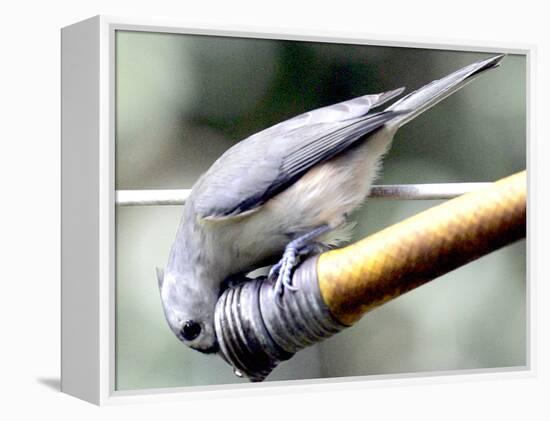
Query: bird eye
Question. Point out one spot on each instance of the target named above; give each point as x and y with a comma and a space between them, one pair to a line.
190, 330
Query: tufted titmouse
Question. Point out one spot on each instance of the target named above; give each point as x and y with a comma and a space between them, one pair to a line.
286, 189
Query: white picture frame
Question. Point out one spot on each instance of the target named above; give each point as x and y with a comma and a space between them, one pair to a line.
88, 203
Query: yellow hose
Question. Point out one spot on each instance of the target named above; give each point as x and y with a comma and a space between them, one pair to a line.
368, 273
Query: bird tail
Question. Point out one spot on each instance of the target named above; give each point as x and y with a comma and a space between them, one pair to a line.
426, 97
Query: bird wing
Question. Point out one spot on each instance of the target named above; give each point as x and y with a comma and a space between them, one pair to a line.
265, 164
346, 110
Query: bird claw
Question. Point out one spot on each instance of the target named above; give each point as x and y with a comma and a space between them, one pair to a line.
274, 271
281, 273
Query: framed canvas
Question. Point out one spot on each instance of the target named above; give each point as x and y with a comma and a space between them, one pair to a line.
148, 107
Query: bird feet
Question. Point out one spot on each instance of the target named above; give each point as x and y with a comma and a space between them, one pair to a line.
281, 273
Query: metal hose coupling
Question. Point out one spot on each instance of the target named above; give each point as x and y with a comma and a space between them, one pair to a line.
257, 329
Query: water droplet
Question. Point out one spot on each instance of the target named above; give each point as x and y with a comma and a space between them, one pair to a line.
237, 373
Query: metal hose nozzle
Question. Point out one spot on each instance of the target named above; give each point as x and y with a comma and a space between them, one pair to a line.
257, 330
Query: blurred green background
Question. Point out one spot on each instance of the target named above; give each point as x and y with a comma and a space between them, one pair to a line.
182, 100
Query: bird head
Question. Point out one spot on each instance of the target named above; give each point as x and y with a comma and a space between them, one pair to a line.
189, 307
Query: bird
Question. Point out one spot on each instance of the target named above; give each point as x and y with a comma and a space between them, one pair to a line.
281, 194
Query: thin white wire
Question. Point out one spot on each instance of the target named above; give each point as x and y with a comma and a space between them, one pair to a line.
439, 191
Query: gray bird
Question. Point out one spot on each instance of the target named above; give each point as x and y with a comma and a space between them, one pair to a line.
285, 190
